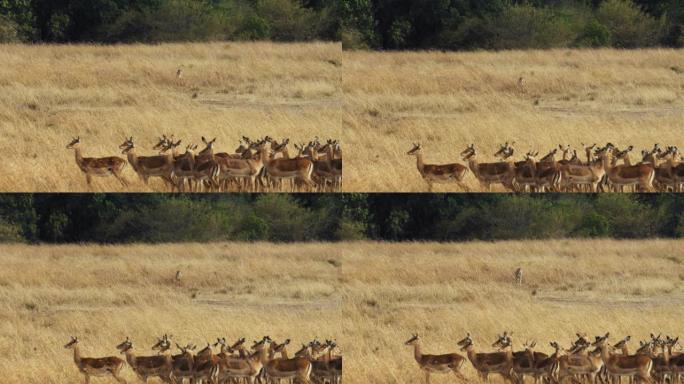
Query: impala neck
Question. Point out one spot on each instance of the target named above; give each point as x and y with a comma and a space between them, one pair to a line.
77, 355
588, 152
473, 165
286, 153
132, 158
625, 350
283, 353
605, 353
417, 353
419, 162
79, 156
130, 357
627, 160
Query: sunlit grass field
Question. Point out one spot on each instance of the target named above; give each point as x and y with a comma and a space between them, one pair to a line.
447, 100
52, 93
443, 291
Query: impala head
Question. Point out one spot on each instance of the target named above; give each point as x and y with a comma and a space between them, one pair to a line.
187, 349
303, 351
555, 346
529, 346
466, 342
588, 147
503, 341
127, 145
220, 342
161, 143
600, 340
262, 343
280, 347
238, 343
209, 146
416, 150
74, 143
505, 151
530, 156
622, 343
170, 145
72, 343
646, 347
468, 152
190, 148
413, 340
162, 344
125, 346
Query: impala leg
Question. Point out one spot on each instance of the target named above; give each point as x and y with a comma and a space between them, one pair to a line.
87, 379
89, 179
427, 377
121, 379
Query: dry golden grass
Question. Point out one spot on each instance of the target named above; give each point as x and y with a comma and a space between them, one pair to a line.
449, 100
103, 93
442, 291
104, 293
370, 296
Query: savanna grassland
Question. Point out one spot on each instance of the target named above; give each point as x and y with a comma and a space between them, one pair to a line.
102, 294
446, 101
443, 291
52, 93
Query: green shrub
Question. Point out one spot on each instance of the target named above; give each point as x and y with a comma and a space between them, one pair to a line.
9, 32
629, 26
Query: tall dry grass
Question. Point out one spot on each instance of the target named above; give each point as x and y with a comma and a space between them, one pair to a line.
104, 93
443, 291
448, 100
370, 296
104, 293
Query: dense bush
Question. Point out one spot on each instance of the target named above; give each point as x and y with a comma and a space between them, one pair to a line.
288, 218
168, 20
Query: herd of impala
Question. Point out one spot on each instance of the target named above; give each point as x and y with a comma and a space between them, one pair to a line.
315, 363
256, 165
606, 168
656, 361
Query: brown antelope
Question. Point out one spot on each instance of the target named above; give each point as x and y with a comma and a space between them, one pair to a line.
298, 368
522, 362
489, 173
548, 172
146, 367
247, 368
149, 166
547, 369
639, 175
442, 173
447, 363
526, 173
299, 169
100, 167
579, 363
248, 169
184, 168
574, 175
587, 150
96, 366
618, 365
183, 364
487, 363
206, 366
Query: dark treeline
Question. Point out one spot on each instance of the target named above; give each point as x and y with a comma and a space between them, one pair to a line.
150, 21
511, 24
114, 218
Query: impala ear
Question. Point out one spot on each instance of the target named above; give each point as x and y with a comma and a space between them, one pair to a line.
204, 140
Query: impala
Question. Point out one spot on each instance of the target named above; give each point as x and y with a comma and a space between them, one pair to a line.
247, 169
639, 175
100, 167
434, 173
146, 367
618, 365
547, 369
184, 168
299, 169
298, 368
579, 363
206, 366
489, 173
548, 172
148, 166
247, 368
487, 363
585, 175
446, 363
96, 366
